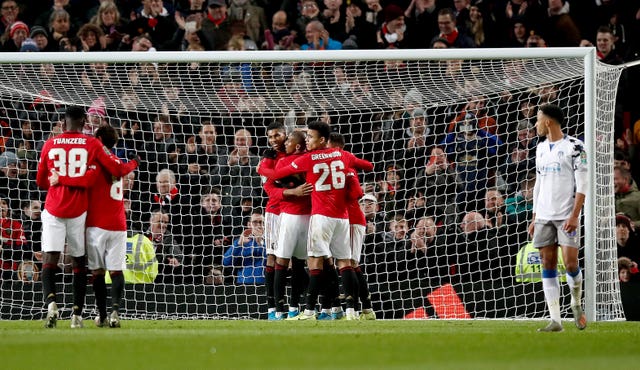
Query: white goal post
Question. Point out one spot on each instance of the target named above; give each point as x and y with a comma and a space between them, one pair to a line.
370, 96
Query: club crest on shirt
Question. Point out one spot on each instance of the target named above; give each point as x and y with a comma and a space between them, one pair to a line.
560, 154
583, 157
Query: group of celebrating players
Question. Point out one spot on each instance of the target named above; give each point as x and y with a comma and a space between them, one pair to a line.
317, 218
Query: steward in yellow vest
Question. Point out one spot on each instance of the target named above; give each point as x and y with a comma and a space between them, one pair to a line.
529, 268
142, 265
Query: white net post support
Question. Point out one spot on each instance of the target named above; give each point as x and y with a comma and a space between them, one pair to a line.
582, 86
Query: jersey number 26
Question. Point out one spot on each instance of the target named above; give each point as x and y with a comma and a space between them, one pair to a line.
333, 171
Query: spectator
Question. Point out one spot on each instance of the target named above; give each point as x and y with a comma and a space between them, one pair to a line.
334, 19
280, 36
309, 11
155, 21
627, 270
13, 242
518, 35
238, 169
168, 253
438, 179
421, 18
216, 27
521, 160
558, 27
252, 16
519, 207
427, 257
162, 150
605, 43
626, 238
391, 34
482, 254
494, 212
247, 254
210, 233
92, 38
361, 32
318, 38
477, 105
391, 188
18, 32
391, 256
12, 184
10, 12
204, 156
60, 29
41, 37
108, 19
449, 31
535, 41
32, 225
473, 151
627, 195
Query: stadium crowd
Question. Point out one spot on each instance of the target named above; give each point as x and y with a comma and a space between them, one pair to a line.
451, 196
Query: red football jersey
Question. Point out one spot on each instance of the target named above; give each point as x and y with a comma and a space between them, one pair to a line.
106, 204
265, 169
354, 193
326, 170
71, 154
293, 205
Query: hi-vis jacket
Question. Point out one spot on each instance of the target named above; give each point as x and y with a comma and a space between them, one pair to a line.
529, 265
142, 265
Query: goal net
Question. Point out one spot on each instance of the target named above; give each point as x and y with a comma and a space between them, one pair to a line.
451, 134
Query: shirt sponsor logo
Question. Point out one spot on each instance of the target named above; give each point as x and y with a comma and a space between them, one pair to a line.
551, 168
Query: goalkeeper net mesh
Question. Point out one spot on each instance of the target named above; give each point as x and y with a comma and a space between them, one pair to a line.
447, 205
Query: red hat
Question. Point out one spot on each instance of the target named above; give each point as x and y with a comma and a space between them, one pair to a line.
18, 25
392, 12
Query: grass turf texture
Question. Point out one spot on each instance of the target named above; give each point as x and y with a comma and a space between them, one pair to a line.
318, 345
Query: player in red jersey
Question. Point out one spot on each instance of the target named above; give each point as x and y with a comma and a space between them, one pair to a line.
69, 154
329, 224
276, 136
106, 232
357, 228
295, 210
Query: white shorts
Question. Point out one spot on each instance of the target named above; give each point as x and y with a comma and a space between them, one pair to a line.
329, 237
271, 229
106, 249
57, 230
292, 237
546, 233
357, 241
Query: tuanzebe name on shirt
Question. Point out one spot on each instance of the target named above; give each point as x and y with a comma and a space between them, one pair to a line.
70, 140
320, 156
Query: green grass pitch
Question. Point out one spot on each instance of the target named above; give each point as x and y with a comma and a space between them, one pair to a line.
216, 344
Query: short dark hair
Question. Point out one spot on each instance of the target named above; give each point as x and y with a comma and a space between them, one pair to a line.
336, 139
108, 135
322, 127
554, 112
275, 126
74, 117
299, 137
75, 112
